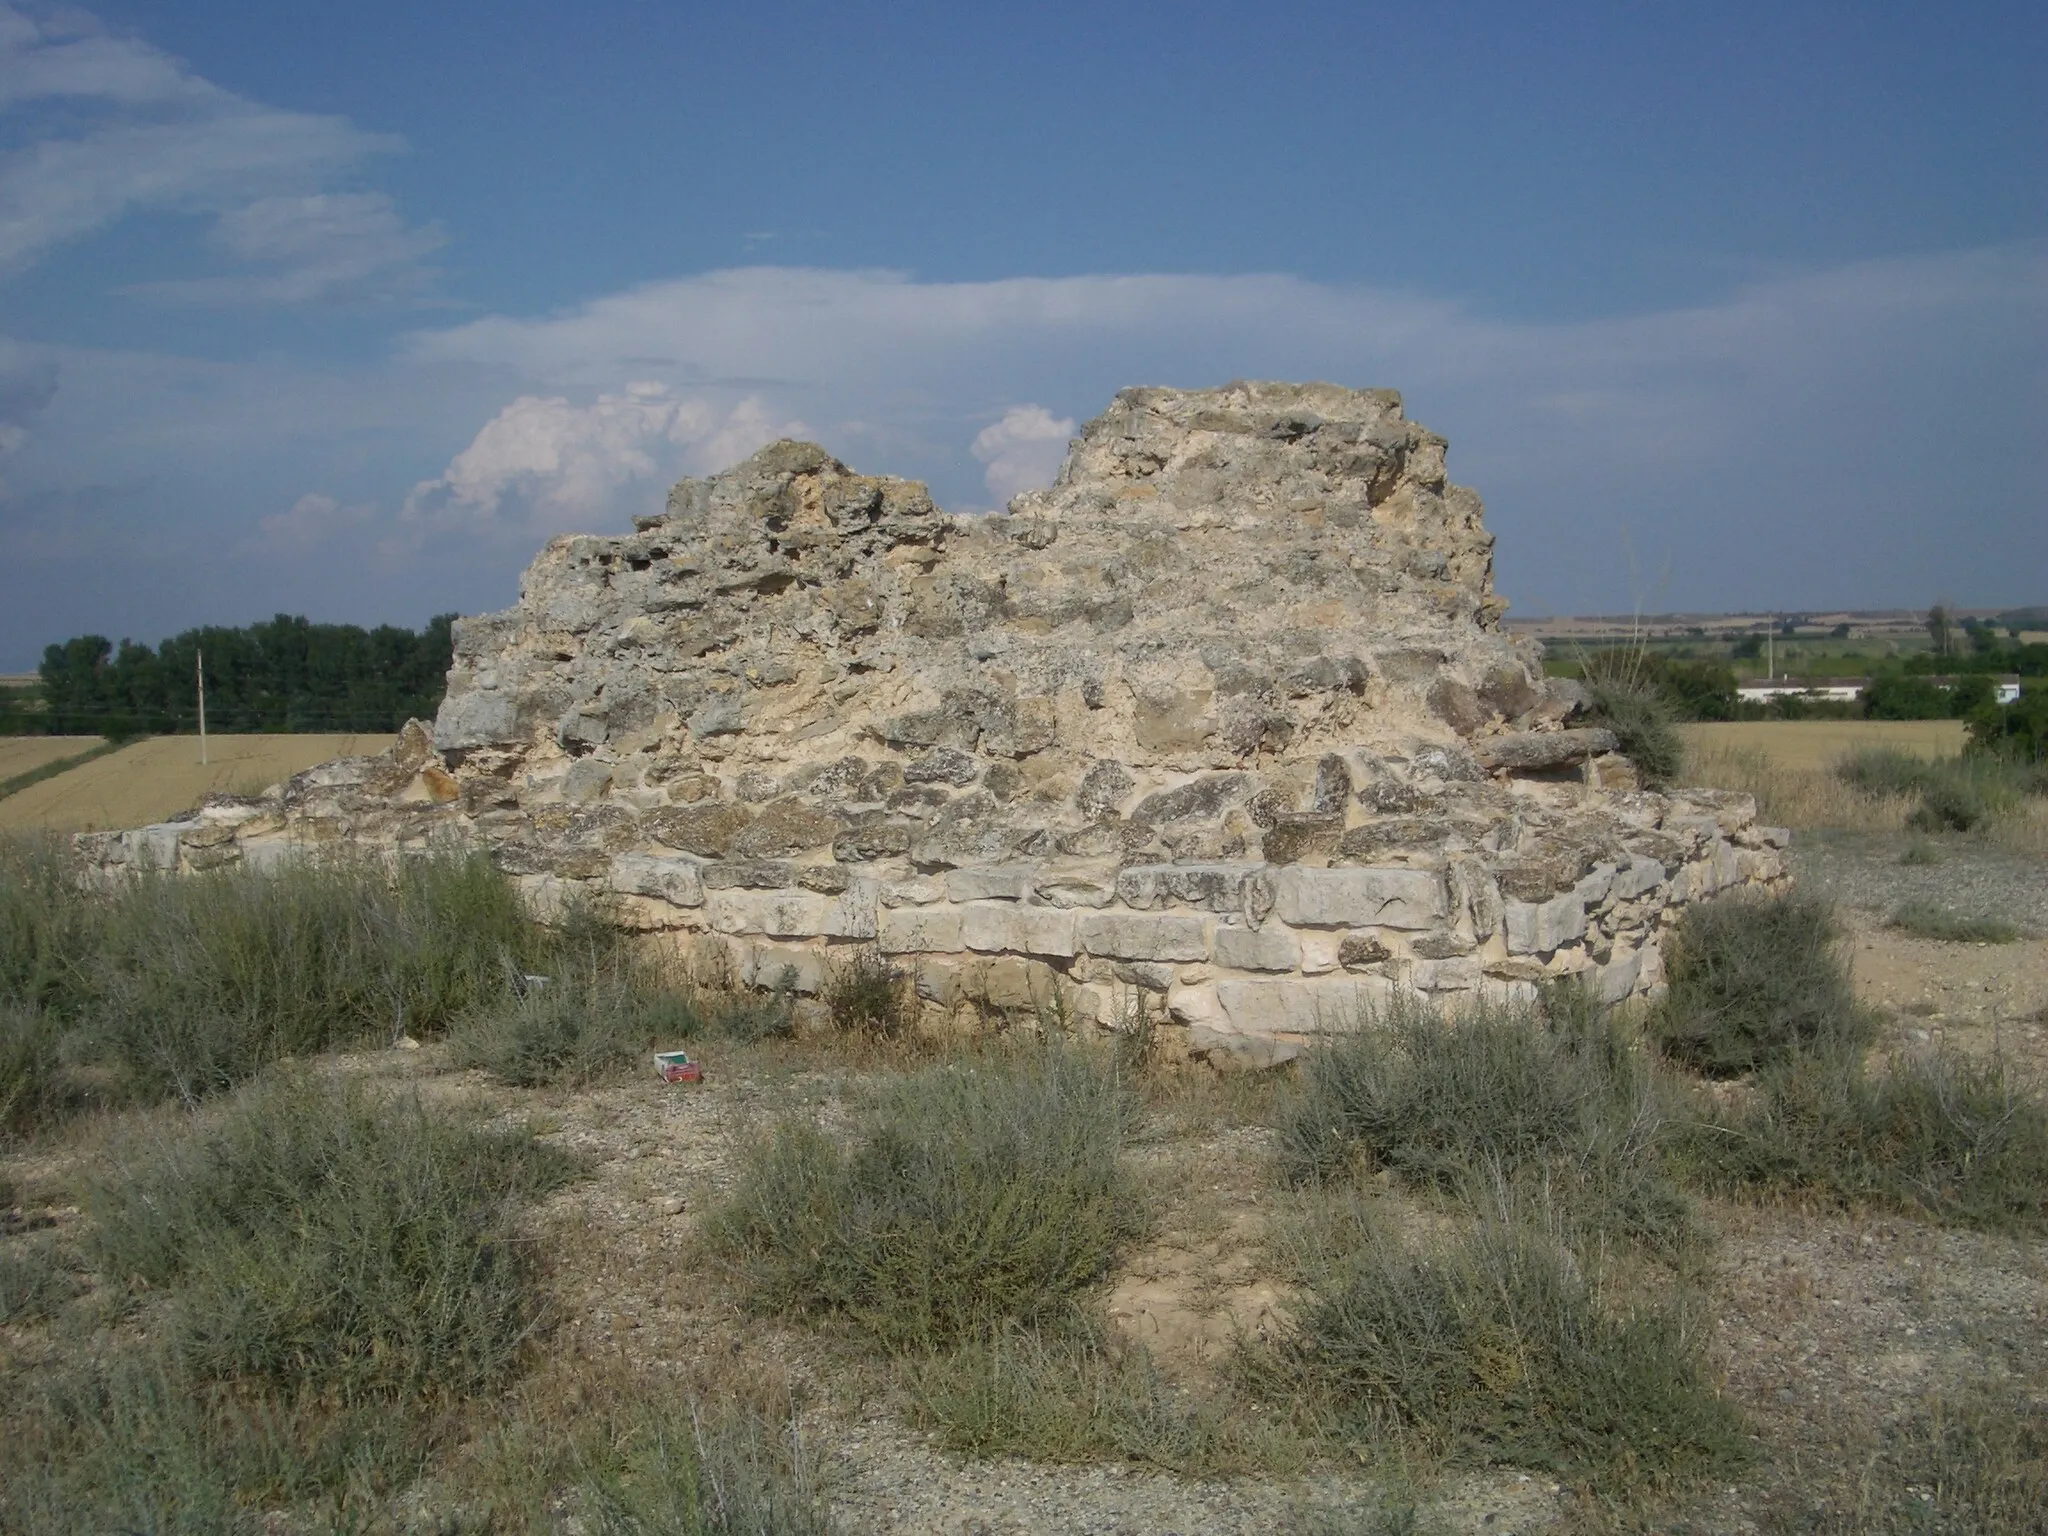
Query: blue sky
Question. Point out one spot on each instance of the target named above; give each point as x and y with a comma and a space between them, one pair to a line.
343, 310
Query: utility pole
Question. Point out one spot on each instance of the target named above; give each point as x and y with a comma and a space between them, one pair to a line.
1771, 649
201, 655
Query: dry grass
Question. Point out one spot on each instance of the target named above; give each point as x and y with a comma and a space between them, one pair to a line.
1817, 744
1792, 796
158, 778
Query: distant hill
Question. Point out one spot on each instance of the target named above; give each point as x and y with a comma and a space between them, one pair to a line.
2024, 618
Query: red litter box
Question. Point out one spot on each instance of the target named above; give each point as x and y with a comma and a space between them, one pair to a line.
676, 1067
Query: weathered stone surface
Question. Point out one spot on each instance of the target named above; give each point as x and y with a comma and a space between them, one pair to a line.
675, 880
1003, 925
1318, 1005
1270, 949
1360, 898
1249, 632
1143, 935
1538, 751
1537, 928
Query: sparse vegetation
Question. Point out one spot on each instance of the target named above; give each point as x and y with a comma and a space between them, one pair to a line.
1078, 1392
310, 1275
158, 986
1754, 979
1957, 1140
1556, 1090
973, 1195
1501, 1341
601, 1012
1925, 920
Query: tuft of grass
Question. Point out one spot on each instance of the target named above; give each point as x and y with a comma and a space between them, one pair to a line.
865, 994
1925, 920
1956, 1140
687, 1469
1626, 699
1556, 1090
1753, 978
310, 1237
1920, 853
600, 1014
34, 1282
973, 1195
1955, 794
1079, 1393
1498, 1343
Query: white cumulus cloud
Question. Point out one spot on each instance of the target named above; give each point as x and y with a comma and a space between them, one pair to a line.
313, 520
544, 464
1022, 450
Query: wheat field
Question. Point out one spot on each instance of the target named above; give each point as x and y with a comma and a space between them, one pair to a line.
25, 754
1818, 744
158, 778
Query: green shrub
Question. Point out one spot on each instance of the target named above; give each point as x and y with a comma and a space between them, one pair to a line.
1497, 1345
971, 1196
1957, 1140
1753, 978
1925, 920
310, 1237
1555, 1090
1948, 805
153, 986
599, 1015
867, 995
1627, 700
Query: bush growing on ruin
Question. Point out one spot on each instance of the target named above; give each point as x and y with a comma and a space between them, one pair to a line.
1628, 701
972, 1195
1752, 979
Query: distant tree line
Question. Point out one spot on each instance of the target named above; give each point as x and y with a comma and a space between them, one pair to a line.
285, 675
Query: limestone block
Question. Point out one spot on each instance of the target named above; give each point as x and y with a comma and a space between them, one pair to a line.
1012, 981
993, 926
1619, 975
1641, 874
1213, 887
1539, 751
154, 847
1196, 1005
915, 891
1538, 927
779, 914
991, 882
1144, 936
1321, 1005
1089, 884
1253, 1052
918, 930
1459, 975
674, 879
1323, 951
784, 967
1359, 898
1267, 949
1593, 887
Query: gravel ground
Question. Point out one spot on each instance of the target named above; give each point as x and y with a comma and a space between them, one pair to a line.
1863, 870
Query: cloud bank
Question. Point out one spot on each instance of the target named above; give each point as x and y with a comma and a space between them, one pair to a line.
1859, 435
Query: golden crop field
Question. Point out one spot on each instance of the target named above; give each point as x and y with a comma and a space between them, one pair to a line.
25, 754
1817, 744
162, 776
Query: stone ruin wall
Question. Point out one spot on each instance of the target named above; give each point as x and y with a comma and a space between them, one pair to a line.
1222, 726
